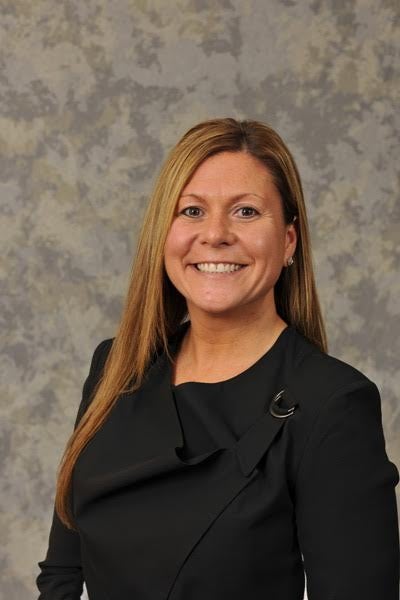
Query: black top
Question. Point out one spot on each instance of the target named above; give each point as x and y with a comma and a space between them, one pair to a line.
217, 414
217, 490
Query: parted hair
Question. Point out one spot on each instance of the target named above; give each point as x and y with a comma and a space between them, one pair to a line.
153, 308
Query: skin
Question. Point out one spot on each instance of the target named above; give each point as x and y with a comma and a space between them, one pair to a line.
233, 317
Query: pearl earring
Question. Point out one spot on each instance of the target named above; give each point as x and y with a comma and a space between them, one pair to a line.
289, 261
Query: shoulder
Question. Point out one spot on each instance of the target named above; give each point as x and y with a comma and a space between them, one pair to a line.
100, 354
332, 396
330, 372
97, 363
318, 375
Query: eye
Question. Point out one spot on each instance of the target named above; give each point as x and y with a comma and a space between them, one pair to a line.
249, 207
196, 208
182, 212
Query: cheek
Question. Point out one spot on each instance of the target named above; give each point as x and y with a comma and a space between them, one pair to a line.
266, 244
177, 242
267, 248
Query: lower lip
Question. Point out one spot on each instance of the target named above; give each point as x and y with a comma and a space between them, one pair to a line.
218, 273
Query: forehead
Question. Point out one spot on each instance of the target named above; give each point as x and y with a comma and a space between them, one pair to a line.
230, 172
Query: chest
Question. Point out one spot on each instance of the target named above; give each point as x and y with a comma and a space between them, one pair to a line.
184, 370
158, 524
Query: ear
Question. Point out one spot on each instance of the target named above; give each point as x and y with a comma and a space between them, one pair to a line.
291, 240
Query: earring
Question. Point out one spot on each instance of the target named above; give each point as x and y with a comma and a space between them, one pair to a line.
289, 261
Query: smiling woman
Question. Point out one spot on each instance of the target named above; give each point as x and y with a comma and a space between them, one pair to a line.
198, 481
224, 254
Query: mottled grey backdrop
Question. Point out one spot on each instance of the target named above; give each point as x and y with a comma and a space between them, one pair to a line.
93, 94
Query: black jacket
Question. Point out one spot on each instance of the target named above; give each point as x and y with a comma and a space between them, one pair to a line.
156, 524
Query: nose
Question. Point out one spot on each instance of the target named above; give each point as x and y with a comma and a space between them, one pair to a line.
216, 230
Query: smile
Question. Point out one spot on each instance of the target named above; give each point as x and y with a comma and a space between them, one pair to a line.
216, 270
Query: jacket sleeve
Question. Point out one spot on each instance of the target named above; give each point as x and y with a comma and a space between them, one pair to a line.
346, 509
61, 571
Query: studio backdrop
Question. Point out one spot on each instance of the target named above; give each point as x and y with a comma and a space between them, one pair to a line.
93, 95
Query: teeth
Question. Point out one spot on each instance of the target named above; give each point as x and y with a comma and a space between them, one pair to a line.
218, 268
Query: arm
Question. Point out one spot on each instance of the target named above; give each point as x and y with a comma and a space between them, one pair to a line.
346, 507
61, 571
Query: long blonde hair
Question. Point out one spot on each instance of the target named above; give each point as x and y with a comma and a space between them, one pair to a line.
154, 308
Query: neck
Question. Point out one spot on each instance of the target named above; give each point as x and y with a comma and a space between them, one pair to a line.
210, 345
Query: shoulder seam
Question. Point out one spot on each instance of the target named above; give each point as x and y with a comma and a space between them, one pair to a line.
347, 387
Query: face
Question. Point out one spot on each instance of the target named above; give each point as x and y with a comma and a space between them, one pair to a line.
230, 212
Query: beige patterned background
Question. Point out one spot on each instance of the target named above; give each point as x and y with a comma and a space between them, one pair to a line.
93, 94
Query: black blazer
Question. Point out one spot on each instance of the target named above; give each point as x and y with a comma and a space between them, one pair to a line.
155, 524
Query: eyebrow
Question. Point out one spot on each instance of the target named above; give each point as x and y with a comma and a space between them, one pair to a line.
232, 198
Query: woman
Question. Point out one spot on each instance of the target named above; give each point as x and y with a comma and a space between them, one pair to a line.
219, 451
